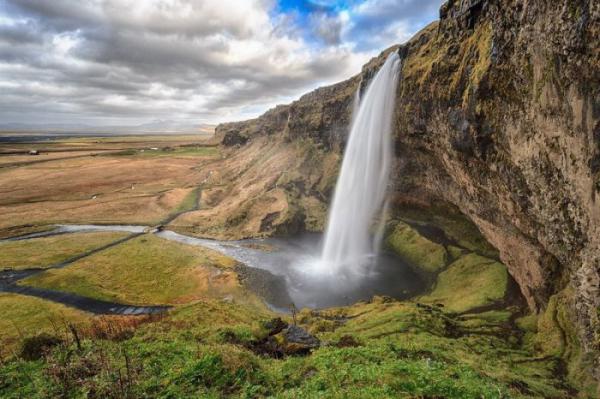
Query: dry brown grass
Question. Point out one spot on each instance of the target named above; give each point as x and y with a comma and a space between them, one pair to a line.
64, 190
114, 328
6, 160
246, 186
251, 191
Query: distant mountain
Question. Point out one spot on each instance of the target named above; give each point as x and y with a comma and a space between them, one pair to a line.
156, 126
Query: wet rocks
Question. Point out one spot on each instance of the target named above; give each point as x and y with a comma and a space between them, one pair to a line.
297, 341
283, 339
274, 326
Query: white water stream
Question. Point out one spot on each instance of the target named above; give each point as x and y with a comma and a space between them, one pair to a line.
349, 248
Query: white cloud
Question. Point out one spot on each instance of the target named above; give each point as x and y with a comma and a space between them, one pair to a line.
126, 61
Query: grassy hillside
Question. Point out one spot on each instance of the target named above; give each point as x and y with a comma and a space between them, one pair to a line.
382, 349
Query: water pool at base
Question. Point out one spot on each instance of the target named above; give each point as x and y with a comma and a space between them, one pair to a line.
292, 259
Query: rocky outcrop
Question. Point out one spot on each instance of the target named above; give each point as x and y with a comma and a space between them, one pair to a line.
498, 113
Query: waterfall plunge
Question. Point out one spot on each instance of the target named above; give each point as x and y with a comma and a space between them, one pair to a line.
361, 187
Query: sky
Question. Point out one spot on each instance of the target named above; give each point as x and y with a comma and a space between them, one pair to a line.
130, 62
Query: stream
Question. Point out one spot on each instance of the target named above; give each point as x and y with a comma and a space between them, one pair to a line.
282, 260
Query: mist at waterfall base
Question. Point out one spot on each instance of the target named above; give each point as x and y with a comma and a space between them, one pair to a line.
293, 258
346, 265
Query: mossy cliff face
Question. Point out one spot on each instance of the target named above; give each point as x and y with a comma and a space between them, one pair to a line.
498, 112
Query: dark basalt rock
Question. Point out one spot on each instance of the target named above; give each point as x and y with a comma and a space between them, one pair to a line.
232, 138
284, 340
298, 341
274, 326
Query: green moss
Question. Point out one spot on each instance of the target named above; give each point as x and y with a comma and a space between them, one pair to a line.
419, 65
455, 252
454, 224
557, 336
493, 317
528, 323
483, 46
470, 282
425, 255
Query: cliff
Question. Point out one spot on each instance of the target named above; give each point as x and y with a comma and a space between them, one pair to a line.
498, 113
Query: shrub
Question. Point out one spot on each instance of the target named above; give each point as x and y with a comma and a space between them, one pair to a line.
36, 347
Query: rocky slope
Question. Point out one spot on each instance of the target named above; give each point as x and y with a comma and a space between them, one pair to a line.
498, 113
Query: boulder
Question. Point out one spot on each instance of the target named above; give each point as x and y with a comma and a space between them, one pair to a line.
295, 340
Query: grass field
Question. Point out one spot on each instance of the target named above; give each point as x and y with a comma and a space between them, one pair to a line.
383, 349
48, 251
156, 271
179, 152
24, 316
69, 183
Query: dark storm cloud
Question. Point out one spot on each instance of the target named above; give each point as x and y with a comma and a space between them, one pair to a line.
170, 59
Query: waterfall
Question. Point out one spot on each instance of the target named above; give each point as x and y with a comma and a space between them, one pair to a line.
361, 187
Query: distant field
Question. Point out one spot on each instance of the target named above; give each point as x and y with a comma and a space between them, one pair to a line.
141, 138
188, 151
136, 180
20, 159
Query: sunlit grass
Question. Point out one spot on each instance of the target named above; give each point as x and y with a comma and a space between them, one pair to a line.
48, 251
145, 270
22, 316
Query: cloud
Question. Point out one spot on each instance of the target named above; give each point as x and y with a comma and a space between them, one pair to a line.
128, 61
327, 28
384, 22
